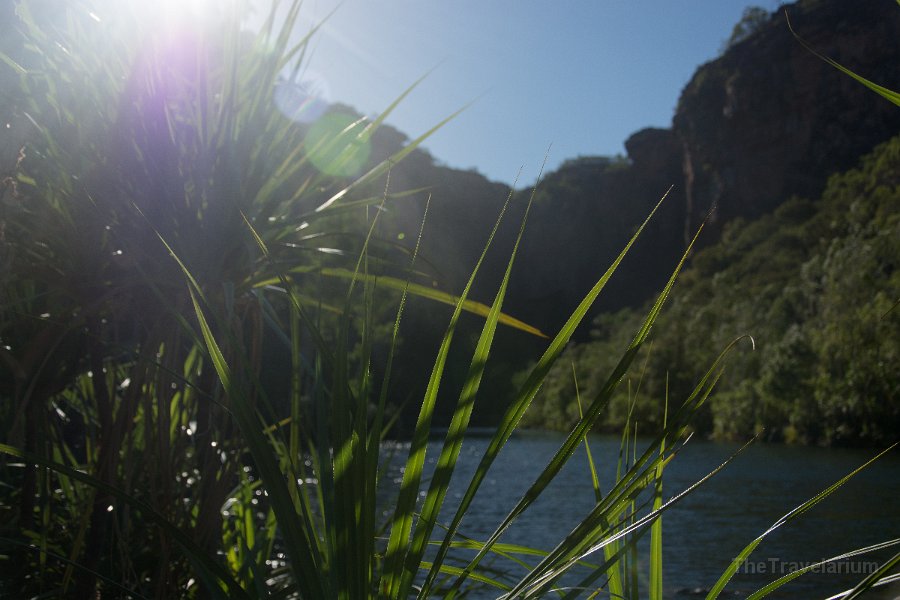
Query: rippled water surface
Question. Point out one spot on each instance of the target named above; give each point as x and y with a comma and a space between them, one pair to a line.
705, 530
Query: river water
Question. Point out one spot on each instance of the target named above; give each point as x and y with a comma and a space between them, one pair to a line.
704, 531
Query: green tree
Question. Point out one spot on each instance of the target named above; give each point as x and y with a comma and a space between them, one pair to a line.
752, 19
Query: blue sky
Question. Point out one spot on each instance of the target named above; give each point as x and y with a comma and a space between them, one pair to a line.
578, 76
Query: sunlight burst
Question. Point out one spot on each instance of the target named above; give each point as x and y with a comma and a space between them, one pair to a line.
175, 10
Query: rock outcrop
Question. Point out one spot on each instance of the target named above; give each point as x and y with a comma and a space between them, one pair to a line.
765, 121
768, 119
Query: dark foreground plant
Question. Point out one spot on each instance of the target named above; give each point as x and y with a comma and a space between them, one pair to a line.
164, 233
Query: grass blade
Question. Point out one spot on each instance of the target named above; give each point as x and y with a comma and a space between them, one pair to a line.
771, 587
440, 481
613, 575
542, 578
423, 291
788, 517
873, 578
385, 165
534, 381
656, 556
398, 544
884, 92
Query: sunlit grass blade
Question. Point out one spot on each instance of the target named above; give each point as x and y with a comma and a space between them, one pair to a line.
613, 575
507, 551
595, 480
535, 379
393, 105
451, 570
459, 422
350, 205
540, 577
873, 578
401, 526
612, 562
887, 580
470, 306
423, 291
882, 91
616, 557
787, 518
771, 587
656, 544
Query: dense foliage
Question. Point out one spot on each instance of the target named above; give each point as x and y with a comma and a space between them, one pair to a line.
815, 284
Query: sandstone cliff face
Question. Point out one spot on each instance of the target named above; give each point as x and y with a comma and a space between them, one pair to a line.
768, 120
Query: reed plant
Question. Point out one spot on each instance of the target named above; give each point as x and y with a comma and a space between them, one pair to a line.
163, 232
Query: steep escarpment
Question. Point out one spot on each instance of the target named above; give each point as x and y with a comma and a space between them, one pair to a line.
765, 121
768, 119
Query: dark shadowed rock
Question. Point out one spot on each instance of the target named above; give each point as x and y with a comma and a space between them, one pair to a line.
585, 213
768, 119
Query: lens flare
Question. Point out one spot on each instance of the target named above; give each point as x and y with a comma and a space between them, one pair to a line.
338, 145
304, 101
191, 9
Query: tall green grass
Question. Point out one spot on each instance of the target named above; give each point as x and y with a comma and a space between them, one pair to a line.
164, 233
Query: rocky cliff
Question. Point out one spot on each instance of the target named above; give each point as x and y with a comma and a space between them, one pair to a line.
765, 121
768, 119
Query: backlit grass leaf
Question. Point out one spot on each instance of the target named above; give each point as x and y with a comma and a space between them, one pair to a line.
744, 554
817, 567
394, 577
882, 91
